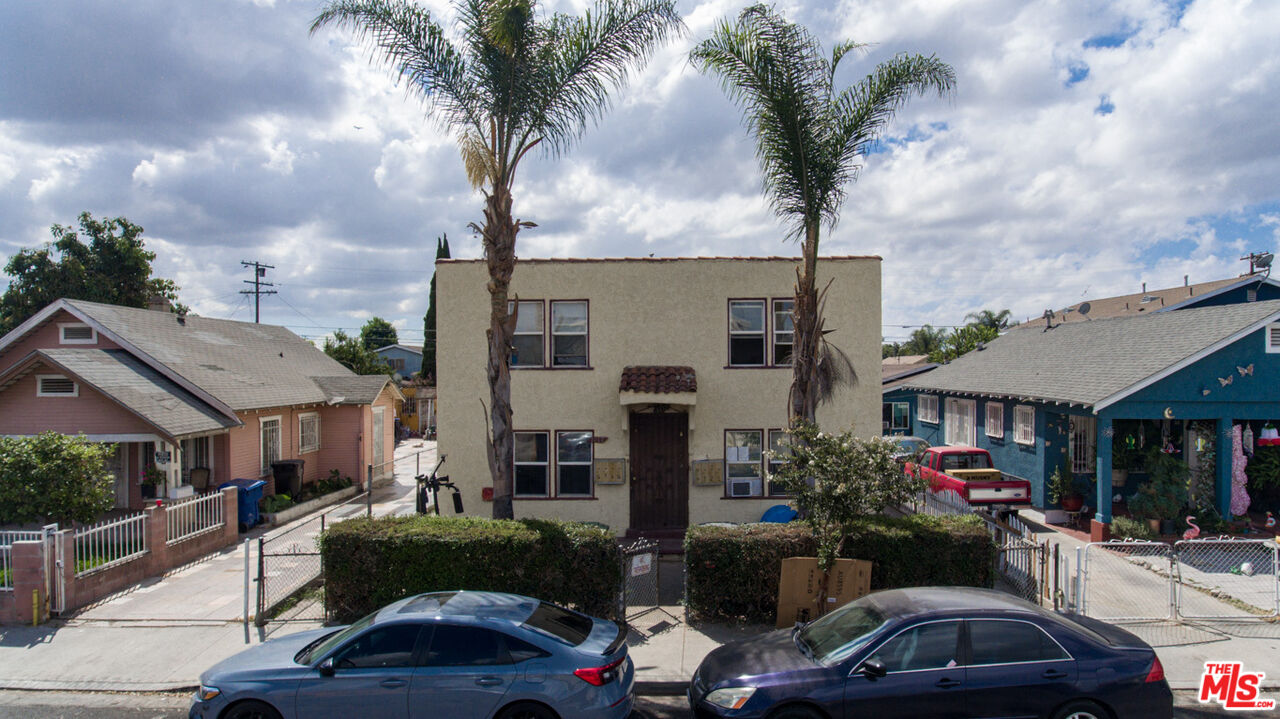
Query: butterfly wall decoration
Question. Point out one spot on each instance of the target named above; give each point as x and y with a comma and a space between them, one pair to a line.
1245, 371
1224, 381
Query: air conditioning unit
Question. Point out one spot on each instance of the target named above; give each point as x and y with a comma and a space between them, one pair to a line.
744, 487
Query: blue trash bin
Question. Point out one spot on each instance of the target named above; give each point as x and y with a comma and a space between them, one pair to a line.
249, 494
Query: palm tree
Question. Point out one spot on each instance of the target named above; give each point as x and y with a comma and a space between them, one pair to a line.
988, 318
508, 82
926, 340
808, 140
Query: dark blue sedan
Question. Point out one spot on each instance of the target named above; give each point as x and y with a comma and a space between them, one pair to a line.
938, 652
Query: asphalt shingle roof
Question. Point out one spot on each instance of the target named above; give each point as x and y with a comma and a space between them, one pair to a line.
243, 364
1086, 362
352, 388
141, 389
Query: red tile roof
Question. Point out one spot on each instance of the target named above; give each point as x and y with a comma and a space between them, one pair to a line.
658, 379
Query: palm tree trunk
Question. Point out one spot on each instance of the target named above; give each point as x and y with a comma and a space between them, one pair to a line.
499, 235
804, 353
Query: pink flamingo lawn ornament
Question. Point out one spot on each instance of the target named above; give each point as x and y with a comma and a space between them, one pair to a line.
1193, 532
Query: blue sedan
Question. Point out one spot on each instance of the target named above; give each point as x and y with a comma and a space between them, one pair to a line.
944, 653
465, 655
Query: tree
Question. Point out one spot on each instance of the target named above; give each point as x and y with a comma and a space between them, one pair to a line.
510, 83
54, 477
378, 333
114, 268
808, 141
429, 321
925, 340
354, 355
962, 341
988, 318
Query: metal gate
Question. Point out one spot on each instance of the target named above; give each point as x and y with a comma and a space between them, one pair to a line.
1128, 581
287, 563
1224, 578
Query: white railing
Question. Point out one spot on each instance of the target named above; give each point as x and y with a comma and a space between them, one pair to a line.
942, 503
7, 538
6, 569
110, 542
192, 517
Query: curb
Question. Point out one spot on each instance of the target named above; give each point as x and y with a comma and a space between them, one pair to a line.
661, 689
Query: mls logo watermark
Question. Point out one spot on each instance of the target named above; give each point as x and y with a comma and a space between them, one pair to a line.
1231, 686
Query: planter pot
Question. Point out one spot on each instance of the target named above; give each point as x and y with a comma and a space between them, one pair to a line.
1154, 524
1072, 503
148, 491
1168, 526
1119, 477
299, 510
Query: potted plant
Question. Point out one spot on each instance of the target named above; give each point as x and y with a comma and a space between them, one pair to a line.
151, 480
1062, 489
1123, 459
1164, 494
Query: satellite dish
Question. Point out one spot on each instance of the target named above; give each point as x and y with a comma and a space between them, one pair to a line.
1084, 308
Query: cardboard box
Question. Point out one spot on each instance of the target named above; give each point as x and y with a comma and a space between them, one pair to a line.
800, 580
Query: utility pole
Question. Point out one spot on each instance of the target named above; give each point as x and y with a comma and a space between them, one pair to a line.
259, 271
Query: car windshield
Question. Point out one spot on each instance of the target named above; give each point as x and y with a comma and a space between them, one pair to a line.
966, 461
567, 626
834, 637
323, 645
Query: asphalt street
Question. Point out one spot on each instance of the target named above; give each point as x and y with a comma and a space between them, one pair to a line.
140, 705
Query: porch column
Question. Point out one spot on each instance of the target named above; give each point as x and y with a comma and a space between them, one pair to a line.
1103, 471
1222, 455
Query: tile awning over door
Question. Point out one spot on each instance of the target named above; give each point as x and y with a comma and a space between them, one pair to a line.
658, 383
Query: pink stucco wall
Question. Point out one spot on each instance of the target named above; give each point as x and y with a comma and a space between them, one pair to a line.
22, 412
47, 336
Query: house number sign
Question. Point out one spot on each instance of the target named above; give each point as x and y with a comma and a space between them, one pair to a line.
162, 457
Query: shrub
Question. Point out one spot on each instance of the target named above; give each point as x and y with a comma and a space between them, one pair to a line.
732, 572
369, 563
54, 477
1128, 528
273, 503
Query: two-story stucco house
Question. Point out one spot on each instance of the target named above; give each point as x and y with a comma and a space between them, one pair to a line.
645, 391
202, 400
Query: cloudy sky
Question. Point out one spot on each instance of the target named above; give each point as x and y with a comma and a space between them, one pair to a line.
1090, 146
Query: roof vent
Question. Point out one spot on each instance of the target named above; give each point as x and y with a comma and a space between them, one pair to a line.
1148, 298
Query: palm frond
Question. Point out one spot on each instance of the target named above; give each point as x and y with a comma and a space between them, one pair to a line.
477, 159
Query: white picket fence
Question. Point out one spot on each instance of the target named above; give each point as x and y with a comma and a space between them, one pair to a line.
110, 542
194, 516
7, 538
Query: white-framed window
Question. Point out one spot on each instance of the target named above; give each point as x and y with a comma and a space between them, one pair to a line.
76, 333
569, 324
1084, 454
995, 420
195, 453
927, 408
743, 468
895, 416
56, 385
271, 447
1024, 424
527, 347
308, 432
746, 333
962, 421
1272, 344
532, 464
573, 463
784, 332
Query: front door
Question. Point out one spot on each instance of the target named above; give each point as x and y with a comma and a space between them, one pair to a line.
379, 439
117, 465
659, 471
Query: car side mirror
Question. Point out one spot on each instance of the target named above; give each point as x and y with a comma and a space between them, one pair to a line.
326, 668
873, 668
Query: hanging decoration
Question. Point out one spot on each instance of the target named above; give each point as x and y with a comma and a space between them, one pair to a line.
1248, 440
1224, 381
1245, 371
1239, 496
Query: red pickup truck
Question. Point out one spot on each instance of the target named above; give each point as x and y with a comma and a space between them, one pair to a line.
970, 473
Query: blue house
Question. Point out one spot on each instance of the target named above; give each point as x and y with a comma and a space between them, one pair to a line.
402, 359
1094, 393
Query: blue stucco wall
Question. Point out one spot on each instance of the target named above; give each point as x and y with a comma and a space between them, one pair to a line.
1266, 291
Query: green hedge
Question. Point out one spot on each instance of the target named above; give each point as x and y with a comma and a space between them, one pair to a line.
369, 563
732, 572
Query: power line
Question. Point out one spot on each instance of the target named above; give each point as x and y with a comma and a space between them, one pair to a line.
259, 271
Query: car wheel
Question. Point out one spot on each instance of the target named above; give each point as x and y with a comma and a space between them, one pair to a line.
527, 710
795, 712
1082, 710
251, 710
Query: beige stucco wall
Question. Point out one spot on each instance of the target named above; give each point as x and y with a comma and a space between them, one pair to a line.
644, 312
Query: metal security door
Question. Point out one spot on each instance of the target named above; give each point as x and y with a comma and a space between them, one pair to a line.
659, 471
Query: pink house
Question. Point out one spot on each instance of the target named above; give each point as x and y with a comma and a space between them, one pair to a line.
202, 400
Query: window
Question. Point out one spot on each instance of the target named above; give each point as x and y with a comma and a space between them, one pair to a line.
1005, 642
56, 385
742, 465
565, 625
746, 333
384, 647
454, 646
195, 453
397, 363
1084, 458
783, 331
270, 432
995, 420
928, 646
1273, 338
1024, 424
928, 410
532, 464
962, 416
309, 432
526, 343
573, 464
895, 417
780, 447
518, 650
71, 333
568, 334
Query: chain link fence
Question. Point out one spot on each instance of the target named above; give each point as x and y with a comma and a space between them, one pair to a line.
1127, 580
1228, 578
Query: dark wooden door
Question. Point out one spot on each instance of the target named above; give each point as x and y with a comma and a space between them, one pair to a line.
659, 471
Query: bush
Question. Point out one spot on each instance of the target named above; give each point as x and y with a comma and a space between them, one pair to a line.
369, 563
1128, 528
54, 477
732, 572
273, 503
